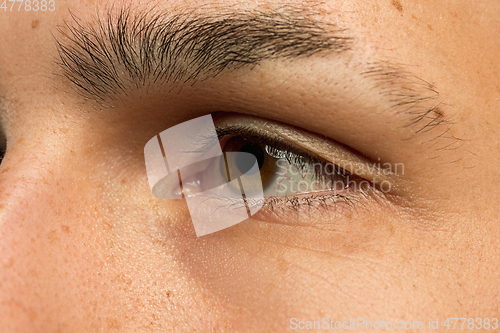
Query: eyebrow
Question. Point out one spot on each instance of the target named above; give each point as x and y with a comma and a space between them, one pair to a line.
136, 49
132, 49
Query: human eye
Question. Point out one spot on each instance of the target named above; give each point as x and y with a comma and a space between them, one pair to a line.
286, 169
298, 170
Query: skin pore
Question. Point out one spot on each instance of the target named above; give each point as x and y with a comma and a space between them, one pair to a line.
84, 246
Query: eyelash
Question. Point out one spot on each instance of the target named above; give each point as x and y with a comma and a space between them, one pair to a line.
296, 156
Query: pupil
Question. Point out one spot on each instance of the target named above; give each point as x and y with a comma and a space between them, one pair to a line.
245, 162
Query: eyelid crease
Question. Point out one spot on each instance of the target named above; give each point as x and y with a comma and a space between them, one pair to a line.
332, 152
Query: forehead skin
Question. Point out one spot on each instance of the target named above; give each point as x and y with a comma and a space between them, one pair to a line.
85, 247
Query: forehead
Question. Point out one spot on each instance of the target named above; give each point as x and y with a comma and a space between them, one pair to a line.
446, 49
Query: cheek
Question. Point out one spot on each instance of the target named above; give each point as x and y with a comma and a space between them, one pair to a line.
362, 265
75, 255
35, 238
278, 271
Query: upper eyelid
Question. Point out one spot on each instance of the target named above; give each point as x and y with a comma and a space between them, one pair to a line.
329, 151
273, 138
294, 152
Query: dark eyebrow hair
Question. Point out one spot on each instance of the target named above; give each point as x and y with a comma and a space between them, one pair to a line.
128, 48
136, 48
408, 94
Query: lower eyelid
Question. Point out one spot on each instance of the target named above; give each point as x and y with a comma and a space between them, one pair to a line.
306, 210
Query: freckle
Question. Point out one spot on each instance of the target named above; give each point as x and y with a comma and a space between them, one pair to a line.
439, 113
397, 5
35, 24
430, 27
65, 229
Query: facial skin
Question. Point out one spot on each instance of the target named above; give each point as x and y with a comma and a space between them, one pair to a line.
85, 247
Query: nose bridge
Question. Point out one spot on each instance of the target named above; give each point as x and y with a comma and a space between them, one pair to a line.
34, 205
22, 231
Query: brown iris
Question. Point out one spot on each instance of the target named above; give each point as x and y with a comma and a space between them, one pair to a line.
239, 164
